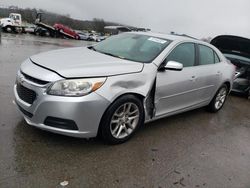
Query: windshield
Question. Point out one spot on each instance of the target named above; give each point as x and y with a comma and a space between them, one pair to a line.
134, 47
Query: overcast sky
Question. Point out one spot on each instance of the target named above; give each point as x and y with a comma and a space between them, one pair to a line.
199, 18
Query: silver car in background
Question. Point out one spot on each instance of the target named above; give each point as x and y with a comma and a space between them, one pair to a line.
112, 88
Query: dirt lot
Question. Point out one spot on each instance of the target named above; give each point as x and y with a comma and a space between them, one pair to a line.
193, 149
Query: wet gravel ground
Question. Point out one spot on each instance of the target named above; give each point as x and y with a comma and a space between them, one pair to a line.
193, 149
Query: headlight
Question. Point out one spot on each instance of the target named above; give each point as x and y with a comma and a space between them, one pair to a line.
75, 87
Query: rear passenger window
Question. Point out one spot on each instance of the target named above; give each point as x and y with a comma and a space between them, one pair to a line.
206, 55
184, 53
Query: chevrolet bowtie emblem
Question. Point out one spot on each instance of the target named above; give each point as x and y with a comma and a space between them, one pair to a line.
21, 79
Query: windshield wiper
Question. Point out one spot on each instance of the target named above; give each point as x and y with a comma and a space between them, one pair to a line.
92, 48
106, 53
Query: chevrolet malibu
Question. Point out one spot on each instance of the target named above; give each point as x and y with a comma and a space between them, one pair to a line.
114, 87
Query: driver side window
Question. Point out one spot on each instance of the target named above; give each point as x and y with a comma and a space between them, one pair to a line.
184, 54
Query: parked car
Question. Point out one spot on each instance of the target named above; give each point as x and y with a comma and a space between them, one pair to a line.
92, 37
237, 50
68, 32
30, 29
40, 31
112, 88
100, 38
83, 36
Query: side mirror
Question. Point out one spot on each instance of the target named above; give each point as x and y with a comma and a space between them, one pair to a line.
173, 65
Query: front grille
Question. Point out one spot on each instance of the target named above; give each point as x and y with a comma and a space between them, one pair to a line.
27, 95
34, 80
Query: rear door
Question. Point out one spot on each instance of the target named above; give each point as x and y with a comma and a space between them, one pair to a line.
209, 73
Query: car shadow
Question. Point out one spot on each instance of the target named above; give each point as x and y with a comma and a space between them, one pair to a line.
26, 133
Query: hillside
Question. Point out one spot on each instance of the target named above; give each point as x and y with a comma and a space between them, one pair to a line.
29, 15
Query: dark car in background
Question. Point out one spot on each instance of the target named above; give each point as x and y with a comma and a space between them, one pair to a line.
237, 50
40, 31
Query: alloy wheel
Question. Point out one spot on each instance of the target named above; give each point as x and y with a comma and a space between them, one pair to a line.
220, 98
124, 120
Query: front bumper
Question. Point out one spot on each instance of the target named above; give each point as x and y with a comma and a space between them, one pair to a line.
85, 111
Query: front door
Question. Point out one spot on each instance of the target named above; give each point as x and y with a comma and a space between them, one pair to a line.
176, 90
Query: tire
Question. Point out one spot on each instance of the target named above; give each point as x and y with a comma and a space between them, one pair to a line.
8, 29
37, 33
121, 120
219, 99
18, 30
47, 33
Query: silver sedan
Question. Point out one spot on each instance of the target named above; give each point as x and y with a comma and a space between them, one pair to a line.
112, 88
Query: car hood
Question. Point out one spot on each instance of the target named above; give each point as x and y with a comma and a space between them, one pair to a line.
83, 62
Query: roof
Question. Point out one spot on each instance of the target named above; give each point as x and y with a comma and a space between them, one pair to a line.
176, 38
167, 36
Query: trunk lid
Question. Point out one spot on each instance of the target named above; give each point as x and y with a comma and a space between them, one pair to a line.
236, 49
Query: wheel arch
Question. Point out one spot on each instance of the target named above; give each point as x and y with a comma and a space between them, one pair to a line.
138, 95
228, 84
148, 99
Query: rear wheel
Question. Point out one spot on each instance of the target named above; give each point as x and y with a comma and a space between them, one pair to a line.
47, 33
219, 99
37, 33
18, 30
122, 119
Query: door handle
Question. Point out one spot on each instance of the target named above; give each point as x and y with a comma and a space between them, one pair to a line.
193, 78
218, 73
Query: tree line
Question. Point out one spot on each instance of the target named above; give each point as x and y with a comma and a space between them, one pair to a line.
29, 15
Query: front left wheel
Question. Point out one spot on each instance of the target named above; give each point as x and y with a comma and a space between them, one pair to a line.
122, 119
9, 29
